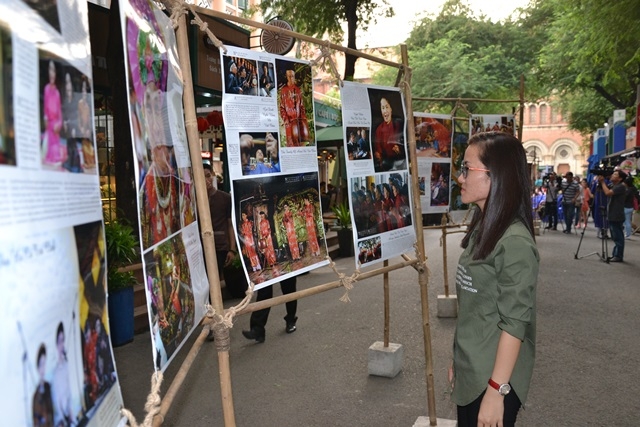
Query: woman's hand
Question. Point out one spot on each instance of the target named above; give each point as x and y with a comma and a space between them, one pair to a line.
491, 409
451, 374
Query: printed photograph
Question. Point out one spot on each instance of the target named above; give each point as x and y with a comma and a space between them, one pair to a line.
267, 81
380, 203
259, 153
169, 297
358, 143
433, 136
67, 117
7, 132
240, 76
369, 250
388, 122
439, 192
295, 104
279, 224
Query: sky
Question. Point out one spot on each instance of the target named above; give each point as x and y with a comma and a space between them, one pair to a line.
393, 31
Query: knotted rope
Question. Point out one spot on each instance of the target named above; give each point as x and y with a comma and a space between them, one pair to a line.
347, 281
221, 323
152, 406
179, 8
323, 58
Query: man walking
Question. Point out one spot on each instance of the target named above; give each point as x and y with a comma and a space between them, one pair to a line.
570, 191
615, 213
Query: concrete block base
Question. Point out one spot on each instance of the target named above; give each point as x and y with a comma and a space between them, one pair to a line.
447, 306
385, 361
424, 422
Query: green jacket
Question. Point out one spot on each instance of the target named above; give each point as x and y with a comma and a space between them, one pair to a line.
494, 295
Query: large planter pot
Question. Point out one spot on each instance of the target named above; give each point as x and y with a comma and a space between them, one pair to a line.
235, 281
121, 316
345, 242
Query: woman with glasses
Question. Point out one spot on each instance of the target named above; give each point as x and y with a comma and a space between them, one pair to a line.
494, 344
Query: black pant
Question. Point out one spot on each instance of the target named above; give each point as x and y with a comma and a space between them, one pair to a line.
259, 318
468, 415
551, 210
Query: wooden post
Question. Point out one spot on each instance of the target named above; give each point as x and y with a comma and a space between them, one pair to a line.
385, 281
423, 277
204, 216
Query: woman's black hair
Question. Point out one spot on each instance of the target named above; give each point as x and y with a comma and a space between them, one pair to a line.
509, 197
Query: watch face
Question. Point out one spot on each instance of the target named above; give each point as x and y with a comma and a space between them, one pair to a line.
504, 389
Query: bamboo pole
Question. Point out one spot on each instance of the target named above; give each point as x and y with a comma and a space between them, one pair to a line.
423, 278
244, 21
259, 305
419, 98
385, 286
444, 258
204, 219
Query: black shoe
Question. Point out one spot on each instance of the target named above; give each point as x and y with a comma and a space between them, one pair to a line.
548, 228
614, 259
567, 231
291, 326
253, 335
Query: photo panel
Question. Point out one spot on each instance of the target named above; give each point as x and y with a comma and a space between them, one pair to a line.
7, 130
433, 135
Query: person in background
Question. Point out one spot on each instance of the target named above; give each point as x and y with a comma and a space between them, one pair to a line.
585, 202
615, 212
570, 191
494, 343
551, 201
259, 318
42, 406
630, 205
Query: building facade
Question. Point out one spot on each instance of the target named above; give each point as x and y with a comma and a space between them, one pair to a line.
549, 143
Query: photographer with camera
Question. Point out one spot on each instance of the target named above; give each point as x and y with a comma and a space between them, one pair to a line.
570, 192
615, 213
551, 185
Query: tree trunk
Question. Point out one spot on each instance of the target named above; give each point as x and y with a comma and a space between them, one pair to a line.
351, 13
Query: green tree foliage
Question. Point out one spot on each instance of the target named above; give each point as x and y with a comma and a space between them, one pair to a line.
459, 55
593, 55
319, 18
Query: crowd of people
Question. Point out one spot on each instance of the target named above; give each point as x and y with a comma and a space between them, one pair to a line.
609, 198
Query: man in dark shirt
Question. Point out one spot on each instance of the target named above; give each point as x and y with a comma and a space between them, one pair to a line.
615, 212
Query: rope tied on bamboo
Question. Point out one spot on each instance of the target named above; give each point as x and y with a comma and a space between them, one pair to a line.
422, 266
152, 406
323, 58
347, 281
179, 8
221, 323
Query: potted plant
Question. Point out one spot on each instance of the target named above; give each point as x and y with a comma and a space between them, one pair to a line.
345, 234
121, 252
234, 278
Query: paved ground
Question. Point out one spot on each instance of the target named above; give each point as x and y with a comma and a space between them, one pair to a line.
586, 368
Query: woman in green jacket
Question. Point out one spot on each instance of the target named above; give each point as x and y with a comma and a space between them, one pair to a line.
494, 344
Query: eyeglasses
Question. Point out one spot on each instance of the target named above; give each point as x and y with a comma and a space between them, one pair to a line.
464, 170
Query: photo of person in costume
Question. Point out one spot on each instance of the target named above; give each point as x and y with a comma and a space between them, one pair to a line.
295, 104
279, 224
171, 296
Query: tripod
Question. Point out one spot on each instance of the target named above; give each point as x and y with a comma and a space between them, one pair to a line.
604, 256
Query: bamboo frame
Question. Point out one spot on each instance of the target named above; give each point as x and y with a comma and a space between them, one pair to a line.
209, 244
